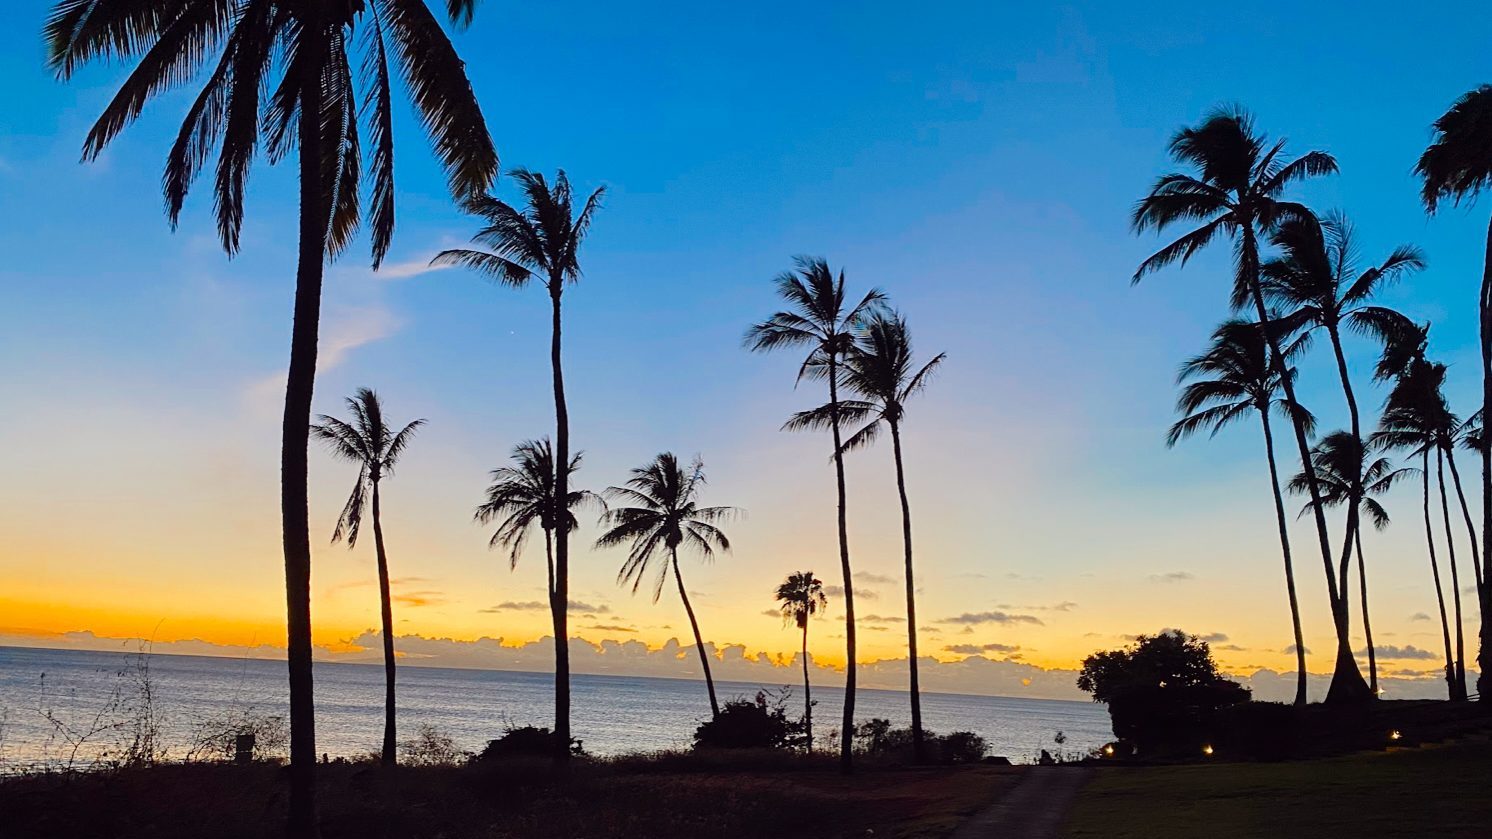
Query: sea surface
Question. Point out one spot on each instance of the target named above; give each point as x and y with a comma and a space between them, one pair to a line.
49, 698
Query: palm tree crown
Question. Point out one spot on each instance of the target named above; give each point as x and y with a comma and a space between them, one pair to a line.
816, 317
1347, 473
800, 597
521, 496
665, 514
369, 442
273, 57
1458, 163
1231, 379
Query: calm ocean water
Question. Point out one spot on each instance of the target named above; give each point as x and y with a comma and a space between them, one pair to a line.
611, 714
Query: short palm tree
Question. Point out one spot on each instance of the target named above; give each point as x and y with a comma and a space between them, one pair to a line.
302, 56
821, 318
540, 244
799, 598
1348, 475
1236, 192
372, 444
521, 496
1232, 379
1456, 167
665, 516
880, 369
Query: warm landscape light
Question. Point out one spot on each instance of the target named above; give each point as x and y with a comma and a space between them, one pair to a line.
1395, 734
1207, 750
1109, 750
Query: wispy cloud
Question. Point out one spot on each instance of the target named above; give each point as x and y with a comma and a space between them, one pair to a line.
1172, 577
1405, 653
882, 619
875, 579
980, 649
341, 333
992, 617
537, 606
862, 593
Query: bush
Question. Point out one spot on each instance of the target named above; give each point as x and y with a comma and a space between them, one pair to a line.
526, 741
963, 747
876, 738
216, 737
1257, 730
748, 724
430, 747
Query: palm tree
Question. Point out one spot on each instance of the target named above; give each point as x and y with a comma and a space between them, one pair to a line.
1347, 476
522, 495
817, 318
1236, 194
1456, 167
1224, 384
372, 444
540, 243
667, 515
1416, 419
879, 367
800, 597
301, 55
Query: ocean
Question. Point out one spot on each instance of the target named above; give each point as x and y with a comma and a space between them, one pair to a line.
49, 696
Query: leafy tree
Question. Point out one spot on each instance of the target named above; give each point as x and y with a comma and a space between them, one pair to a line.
521, 496
666, 516
746, 724
1233, 379
301, 56
372, 444
540, 243
820, 318
799, 598
1236, 192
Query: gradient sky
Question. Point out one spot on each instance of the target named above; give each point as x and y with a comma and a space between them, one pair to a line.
976, 162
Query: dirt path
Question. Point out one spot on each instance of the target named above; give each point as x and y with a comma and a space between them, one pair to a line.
1034, 809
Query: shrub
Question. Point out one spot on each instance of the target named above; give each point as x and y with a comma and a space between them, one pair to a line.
747, 724
962, 747
526, 741
430, 747
216, 736
877, 739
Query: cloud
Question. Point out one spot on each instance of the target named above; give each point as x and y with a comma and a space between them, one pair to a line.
1408, 653
609, 627
1172, 577
536, 606
408, 268
771, 613
1290, 650
341, 332
1419, 616
881, 619
875, 579
1214, 637
1231, 648
419, 598
992, 617
978, 649
863, 593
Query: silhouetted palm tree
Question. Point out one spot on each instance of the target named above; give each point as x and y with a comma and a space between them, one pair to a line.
522, 495
1456, 167
667, 515
1233, 378
369, 442
1236, 194
879, 367
1347, 476
540, 243
800, 597
1416, 419
820, 319
301, 55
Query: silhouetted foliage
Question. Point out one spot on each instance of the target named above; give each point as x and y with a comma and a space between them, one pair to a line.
526, 741
1162, 691
875, 738
759, 723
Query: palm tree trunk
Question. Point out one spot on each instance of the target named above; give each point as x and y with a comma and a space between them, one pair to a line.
699, 641
918, 748
847, 726
295, 524
1484, 654
549, 562
1279, 512
1476, 553
1445, 627
807, 690
1367, 625
1347, 683
390, 747
1354, 518
559, 604
1450, 552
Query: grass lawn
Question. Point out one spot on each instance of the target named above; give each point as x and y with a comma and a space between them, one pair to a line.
1441, 792
676, 799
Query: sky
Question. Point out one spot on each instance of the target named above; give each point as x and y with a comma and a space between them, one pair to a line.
976, 161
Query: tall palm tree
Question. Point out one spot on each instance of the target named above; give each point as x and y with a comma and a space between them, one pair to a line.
1231, 379
522, 496
820, 318
302, 55
666, 515
372, 444
1348, 475
540, 243
1416, 419
1456, 167
880, 368
800, 597
1236, 193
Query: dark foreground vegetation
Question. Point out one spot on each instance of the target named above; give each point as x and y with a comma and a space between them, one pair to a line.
719, 794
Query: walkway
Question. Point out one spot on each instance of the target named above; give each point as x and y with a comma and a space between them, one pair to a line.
1033, 810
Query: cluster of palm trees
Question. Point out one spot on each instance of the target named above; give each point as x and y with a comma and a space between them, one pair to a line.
1311, 283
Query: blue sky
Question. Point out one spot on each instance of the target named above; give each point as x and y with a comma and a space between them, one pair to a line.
977, 162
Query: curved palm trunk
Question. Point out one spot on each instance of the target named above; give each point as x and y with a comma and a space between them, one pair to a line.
1484, 654
390, 742
1279, 512
1476, 553
1367, 625
918, 748
1445, 627
1450, 553
699, 641
560, 591
847, 726
549, 562
1347, 684
807, 690
295, 525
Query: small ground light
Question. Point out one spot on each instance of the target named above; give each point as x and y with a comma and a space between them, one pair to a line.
1108, 750
1207, 750
1395, 735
